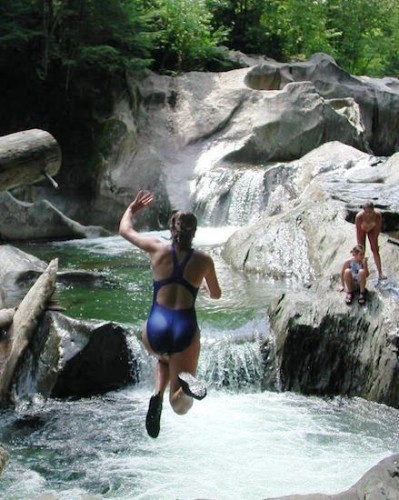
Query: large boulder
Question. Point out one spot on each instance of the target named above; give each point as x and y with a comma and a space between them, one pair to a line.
377, 98
170, 131
196, 122
74, 358
323, 347
308, 233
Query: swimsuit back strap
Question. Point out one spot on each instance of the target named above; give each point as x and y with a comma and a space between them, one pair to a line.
178, 267
177, 275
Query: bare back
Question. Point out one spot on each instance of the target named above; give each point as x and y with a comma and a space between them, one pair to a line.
198, 267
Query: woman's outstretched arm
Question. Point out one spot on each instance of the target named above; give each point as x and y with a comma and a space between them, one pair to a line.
126, 229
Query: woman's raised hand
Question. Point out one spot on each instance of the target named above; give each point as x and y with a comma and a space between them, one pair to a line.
142, 199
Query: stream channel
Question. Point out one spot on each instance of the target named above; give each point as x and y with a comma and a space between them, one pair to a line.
239, 443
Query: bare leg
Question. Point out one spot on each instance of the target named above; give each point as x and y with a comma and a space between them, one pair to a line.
348, 286
161, 370
362, 280
186, 361
361, 237
348, 281
161, 374
373, 239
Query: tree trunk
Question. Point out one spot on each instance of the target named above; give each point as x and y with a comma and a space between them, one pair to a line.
27, 157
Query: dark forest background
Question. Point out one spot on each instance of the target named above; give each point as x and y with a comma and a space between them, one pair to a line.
61, 60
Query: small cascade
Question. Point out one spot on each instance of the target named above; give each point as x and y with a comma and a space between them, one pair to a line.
233, 359
225, 196
230, 360
236, 366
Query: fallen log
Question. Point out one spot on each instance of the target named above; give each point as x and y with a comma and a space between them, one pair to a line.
24, 324
27, 157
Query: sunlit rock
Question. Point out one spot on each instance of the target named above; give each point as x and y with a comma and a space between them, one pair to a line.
311, 233
378, 99
171, 132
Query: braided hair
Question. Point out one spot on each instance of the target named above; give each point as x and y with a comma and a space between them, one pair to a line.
183, 225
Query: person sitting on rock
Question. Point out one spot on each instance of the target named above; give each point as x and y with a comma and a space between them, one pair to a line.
369, 222
354, 274
171, 332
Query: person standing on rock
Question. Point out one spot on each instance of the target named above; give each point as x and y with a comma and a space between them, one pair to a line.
369, 222
171, 332
354, 274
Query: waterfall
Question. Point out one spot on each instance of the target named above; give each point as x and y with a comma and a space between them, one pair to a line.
225, 196
238, 195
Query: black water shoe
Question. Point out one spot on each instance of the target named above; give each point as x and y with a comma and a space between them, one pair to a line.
153, 419
191, 386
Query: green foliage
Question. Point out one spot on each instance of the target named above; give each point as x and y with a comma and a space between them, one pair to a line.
300, 25
243, 19
65, 36
366, 34
188, 39
361, 34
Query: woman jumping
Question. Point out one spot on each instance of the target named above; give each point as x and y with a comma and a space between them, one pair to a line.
171, 332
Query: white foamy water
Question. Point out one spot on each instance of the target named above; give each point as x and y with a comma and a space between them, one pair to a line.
230, 446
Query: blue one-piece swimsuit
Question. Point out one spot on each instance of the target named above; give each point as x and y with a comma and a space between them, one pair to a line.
172, 330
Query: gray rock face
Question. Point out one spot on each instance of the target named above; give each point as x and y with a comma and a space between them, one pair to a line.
269, 112
308, 233
185, 118
324, 347
184, 127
